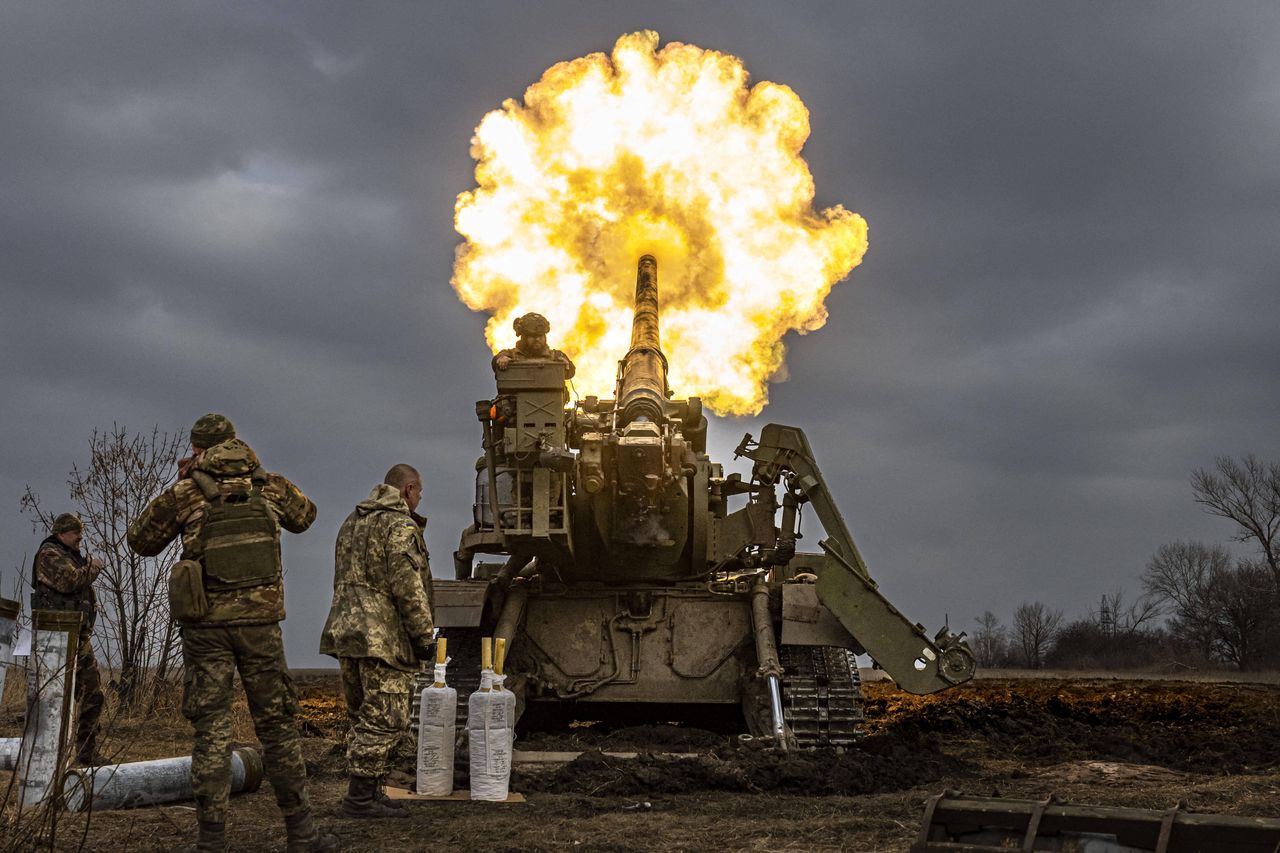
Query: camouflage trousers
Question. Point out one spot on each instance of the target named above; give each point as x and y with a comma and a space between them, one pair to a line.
212, 657
377, 697
88, 695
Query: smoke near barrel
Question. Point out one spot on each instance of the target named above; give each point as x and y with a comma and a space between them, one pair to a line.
664, 151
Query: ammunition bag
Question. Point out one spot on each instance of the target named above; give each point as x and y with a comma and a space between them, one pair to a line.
48, 598
187, 601
240, 539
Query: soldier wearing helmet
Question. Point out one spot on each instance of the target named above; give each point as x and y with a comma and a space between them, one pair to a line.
62, 579
532, 331
227, 511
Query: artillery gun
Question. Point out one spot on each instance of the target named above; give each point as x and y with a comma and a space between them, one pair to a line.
631, 576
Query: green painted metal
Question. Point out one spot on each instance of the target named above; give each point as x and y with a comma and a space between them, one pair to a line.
634, 574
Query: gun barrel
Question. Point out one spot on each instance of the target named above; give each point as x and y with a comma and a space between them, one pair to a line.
642, 379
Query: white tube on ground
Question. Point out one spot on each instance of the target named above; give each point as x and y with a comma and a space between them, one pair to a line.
51, 676
8, 637
9, 747
145, 783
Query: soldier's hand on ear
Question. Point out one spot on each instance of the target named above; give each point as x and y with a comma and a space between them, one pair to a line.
185, 465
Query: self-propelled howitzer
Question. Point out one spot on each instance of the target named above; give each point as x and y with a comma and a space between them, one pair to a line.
636, 571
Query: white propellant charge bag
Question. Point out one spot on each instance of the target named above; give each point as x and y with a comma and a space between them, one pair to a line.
437, 731
489, 735
499, 686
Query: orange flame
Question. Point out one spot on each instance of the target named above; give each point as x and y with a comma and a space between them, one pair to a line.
667, 152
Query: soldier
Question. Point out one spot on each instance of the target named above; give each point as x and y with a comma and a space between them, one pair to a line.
380, 630
229, 512
62, 579
532, 330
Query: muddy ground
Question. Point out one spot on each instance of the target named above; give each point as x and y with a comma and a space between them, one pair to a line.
1097, 740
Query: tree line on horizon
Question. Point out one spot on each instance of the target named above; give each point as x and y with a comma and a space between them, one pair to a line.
1201, 608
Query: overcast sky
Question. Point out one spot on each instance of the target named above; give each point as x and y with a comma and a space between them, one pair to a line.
1070, 299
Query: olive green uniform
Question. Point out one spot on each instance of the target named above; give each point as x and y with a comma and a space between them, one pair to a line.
379, 624
62, 579
517, 354
240, 632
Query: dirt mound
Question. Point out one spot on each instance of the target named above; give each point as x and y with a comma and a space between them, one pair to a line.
877, 764
1179, 725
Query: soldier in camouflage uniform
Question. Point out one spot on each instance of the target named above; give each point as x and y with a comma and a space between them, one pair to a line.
239, 631
532, 330
380, 630
62, 579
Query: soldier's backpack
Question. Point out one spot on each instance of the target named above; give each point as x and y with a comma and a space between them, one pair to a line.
240, 539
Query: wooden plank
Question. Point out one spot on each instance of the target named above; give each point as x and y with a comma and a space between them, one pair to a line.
458, 796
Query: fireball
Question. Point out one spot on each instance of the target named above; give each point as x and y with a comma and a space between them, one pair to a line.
668, 151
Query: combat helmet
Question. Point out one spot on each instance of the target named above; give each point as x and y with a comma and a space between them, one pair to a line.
212, 429
531, 324
67, 522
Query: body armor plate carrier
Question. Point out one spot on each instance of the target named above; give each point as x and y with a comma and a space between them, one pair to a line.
240, 538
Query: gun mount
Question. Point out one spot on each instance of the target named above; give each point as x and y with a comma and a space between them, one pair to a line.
629, 575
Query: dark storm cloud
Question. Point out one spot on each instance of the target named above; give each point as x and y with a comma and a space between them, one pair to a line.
1069, 299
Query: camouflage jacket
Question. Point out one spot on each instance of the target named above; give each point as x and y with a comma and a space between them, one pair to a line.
180, 510
381, 584
516, 354
62, 579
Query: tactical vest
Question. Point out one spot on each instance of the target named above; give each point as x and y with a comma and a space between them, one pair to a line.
240, 539
47, 598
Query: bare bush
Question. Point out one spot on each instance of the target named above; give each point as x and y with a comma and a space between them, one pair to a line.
134, 630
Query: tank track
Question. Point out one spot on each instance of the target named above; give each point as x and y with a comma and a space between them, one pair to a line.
464, 672
821, 689
821, 695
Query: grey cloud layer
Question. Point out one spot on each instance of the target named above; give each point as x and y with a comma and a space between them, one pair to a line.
1069, 301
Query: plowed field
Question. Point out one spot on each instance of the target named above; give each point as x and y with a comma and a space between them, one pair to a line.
1107, 741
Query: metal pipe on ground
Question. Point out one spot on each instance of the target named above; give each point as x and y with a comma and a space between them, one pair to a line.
148, 783
51, 676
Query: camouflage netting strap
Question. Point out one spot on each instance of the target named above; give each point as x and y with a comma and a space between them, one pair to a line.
240, 540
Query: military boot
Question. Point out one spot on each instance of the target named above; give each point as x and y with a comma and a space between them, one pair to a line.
305, 836
212, 838
380, 795
362, 800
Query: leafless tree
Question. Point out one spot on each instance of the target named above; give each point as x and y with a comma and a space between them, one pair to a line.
1127, 619
1246, 491
1034, 627
134, 630
990, 641
1178, 576
1243, 606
